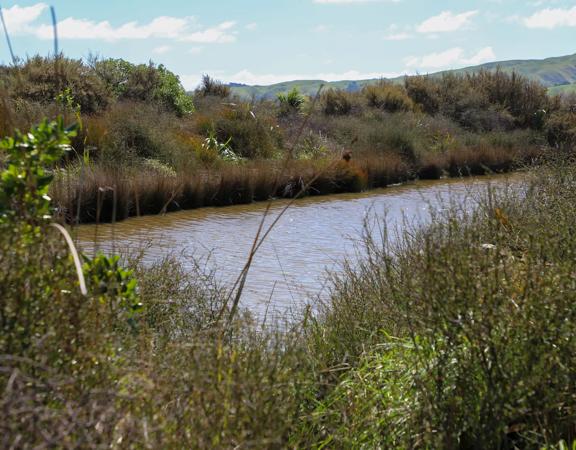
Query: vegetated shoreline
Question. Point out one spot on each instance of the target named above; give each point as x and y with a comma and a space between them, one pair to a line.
103, 196
146, 146
460, 335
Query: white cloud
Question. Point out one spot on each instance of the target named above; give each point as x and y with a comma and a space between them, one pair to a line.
552, 18
161, 49
485, 55
397, 33
71, 28
251, 26
19, 18
454, 57
220, 34
435, 60
446, 21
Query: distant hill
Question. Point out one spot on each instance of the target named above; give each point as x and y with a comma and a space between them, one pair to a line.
558, 74
563, 89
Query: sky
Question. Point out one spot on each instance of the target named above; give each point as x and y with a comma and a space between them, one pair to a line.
269, 41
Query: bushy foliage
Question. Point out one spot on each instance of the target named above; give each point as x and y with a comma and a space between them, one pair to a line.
30, 162
424, 92
388, 97
41, 80
145, 83
97, 84
250, 134
460, 334
336, 103
291, 102
561, 129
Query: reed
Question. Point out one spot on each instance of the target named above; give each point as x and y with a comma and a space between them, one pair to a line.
145, 190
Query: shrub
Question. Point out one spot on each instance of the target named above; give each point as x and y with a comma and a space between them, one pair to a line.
131, 130
424, 92
561, 129
290, 102
41, 80
388, 97
402, 142
250, 135
524, 99
336, 103
144, 83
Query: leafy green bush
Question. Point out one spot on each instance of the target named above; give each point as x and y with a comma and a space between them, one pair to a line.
144, 83
31, 158
291, 102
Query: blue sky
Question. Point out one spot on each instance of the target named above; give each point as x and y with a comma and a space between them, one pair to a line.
267, 41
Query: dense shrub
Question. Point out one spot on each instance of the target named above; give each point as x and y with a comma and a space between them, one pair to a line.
95, 85
132, 130
145, 83
41, 80
336, 103
561, 129
290, 102
252, 135
388, 97
424, 92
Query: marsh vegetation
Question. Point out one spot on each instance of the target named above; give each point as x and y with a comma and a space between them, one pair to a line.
458, 335
147, 146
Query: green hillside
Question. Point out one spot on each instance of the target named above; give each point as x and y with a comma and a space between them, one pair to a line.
563, 89
558, 73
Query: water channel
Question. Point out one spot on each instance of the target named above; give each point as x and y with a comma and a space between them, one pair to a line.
313, 237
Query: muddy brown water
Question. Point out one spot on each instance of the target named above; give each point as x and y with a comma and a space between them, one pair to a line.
314, 236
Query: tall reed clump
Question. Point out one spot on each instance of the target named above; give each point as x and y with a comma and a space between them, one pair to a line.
460, 335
